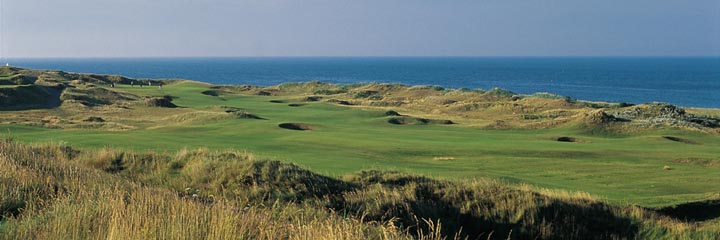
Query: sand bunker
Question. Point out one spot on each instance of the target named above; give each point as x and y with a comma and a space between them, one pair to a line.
392, 113
296, 105
94, 119
277, 101
682, 140
296, 126
341, 102
566, 139
312, 98
404, 120
163, 102
213, 93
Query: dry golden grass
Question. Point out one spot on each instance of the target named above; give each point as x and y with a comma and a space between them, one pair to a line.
58, 200
55, 192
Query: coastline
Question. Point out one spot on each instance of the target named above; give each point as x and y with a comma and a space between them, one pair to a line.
689, 82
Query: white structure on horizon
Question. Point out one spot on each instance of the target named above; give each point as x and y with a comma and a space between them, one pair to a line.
2, 33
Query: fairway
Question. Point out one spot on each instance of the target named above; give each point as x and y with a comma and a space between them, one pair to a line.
622, 168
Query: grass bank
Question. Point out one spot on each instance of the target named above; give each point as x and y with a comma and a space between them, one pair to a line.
54, 191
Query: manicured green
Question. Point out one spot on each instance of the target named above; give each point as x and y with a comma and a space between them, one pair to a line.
623, 169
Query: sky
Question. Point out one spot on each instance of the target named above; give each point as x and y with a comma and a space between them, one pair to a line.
172, 28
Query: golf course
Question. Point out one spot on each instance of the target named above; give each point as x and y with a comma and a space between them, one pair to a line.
650, 156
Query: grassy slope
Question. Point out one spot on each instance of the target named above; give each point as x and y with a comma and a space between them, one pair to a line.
47, 194
624, 169
55, 192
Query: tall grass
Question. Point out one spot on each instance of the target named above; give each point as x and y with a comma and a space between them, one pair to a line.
55, 192
46, 195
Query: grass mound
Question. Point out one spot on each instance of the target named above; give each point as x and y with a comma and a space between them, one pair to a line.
48, 194
392, 113
163, 102
404, 120
213, 92
341, 102
296, 126
408, 120
244, 115
109, 193
238, 112
596, 118
91, 95
27, 97
202, 117
651, 110
705, 162
312, 98
93, 119
197, 117
694, 211
264, 93
265, 181
662, 114
682, 140
17, 79
216, 92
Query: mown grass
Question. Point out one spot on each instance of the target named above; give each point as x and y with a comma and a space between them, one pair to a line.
625, 169
52, 191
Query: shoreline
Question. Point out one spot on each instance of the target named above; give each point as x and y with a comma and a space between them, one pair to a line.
687, 83
369, 83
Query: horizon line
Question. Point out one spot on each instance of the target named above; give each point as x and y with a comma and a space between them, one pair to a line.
368, 56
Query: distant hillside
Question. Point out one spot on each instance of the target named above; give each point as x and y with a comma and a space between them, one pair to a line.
493, 109
32, 89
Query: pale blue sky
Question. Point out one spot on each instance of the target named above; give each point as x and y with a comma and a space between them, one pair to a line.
132, 28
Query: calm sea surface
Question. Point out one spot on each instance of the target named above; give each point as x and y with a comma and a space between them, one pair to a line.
690, 82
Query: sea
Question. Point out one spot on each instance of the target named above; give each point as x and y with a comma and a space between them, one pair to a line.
683, 81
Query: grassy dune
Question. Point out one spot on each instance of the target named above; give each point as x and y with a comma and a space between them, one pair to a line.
54, 191
48, 194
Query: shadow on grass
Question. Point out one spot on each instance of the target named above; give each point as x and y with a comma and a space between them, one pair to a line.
694, 211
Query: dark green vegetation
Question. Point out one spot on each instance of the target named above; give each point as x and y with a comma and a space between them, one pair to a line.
649, 155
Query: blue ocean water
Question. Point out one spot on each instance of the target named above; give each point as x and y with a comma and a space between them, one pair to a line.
690, 82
